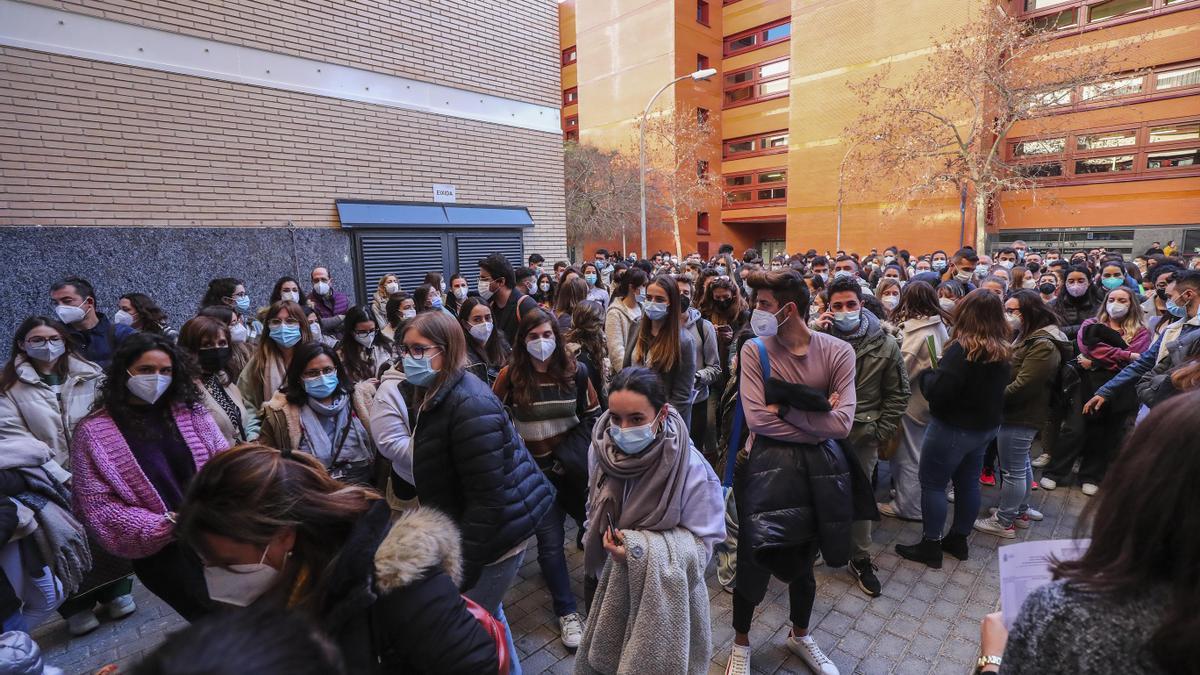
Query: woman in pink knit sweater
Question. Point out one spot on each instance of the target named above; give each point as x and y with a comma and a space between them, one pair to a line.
133, 458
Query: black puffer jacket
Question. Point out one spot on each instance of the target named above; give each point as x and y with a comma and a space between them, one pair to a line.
469, 462
1074, 311
794, 494
395, 606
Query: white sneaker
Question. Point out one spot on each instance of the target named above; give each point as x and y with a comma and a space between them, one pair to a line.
570, 630
950, 494
1042, 461
1034, 514
1047, 483
806, 648
992, 525
82, 623
1089, 489
739, 660
120, 606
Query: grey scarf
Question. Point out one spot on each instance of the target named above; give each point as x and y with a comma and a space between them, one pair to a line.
655, 501
60, 538
325, 429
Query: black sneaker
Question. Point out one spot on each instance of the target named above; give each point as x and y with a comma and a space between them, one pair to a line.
863, 572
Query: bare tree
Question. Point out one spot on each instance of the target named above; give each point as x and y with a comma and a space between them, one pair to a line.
679, 146
945, 126
602, 194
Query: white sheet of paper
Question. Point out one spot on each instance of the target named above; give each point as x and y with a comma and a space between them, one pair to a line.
1026, 566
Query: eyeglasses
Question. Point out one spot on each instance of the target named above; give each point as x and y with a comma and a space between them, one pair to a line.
364, 333
314, 373
417, 351
41, 341
276, 323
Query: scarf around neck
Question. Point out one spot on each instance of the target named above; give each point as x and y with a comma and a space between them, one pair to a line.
868, 325
654, 501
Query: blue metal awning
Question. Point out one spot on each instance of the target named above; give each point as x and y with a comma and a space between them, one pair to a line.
405, 215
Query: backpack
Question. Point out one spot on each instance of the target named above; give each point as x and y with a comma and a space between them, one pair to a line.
737, 428
1065, 384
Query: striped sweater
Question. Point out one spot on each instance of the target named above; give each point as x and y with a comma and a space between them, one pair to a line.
555, 412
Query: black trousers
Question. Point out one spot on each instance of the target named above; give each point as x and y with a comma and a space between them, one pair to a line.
176, 575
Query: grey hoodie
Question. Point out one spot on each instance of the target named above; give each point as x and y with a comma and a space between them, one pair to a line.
708, 361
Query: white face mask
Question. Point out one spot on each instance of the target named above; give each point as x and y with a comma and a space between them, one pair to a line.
764, 323
408, 314
149, 388
290, 296
460, 292
545, 286
70, 314
391, 287
240, 585
1014, 321
238, 333
481, 331
890, 301
442, 286
1117, 310
485, 290
47, 353
541, 348
1028, 282
947, 304
365, 340
321, 288
314, 327
123, 318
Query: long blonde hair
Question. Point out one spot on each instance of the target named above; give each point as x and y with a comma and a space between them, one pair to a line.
980, 328
660, 352
1134, 320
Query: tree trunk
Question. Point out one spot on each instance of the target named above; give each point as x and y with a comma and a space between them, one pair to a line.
980, 221
675, 226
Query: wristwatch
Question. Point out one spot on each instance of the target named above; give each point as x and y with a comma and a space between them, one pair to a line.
985, 661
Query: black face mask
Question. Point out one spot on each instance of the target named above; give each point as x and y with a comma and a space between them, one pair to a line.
214, 359
1047, 289
685, 302
1161, 293
725, 303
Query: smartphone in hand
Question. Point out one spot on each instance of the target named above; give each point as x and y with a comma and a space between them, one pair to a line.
613, 532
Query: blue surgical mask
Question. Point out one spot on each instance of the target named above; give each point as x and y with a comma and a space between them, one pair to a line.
591, 279
656, 310
1112, 282
634, 440
321, 387
285, 335
843, 274
242, 303
418, 371
1175, 309
721, 270
938, 265
436, 303
847, 321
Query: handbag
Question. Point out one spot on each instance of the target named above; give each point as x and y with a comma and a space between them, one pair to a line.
495, 629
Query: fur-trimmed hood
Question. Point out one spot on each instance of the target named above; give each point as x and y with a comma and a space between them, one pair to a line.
419, 540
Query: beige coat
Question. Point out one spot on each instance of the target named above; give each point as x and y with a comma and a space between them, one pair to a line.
914, 334
250, 421
31, 413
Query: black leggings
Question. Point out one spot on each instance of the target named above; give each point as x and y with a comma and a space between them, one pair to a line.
801, 594
176, 575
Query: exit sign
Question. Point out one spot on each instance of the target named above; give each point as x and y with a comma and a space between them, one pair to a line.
443, 193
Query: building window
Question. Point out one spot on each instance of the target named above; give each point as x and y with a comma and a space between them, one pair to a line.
572, 135
702, 11
568, 55
762, 82
701, 116
1148, 150
1114, 8
769, 143
1162, 81
1075, 15
701, 62
571, 96
571, 122
756, 188
702, 223
756, 38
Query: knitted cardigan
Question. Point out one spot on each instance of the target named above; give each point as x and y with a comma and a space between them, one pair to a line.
111, 493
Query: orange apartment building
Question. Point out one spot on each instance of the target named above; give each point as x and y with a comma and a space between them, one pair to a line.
1121, 169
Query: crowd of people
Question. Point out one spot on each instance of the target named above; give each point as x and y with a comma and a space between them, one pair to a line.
372, 475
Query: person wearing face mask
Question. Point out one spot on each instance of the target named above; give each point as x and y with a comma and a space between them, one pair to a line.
74, 302
329, 304
1039, 348
658, 341
466, 459
1047, 287
46, 388
1078, 300
231, 293
882, 392
240, 349
427, 298
287, 328
498, 287
285, 288
139, 311
708, 365
1154, 308
487, 350
401, 308
622, 313
586, 341
571, 293
663, 499
597, 288
314, 327
544, 291
554, 406
365, 351
888, 293
388, 284
1114, 338
277, 533
1022, 279
1007, 258
961, 269
132, 460
206, 341
313, 413
459, 290
792, 354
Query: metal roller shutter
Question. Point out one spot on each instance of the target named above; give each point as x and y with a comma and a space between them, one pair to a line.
469, 249
408, 255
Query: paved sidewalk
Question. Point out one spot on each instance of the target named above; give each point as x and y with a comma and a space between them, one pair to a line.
927, 621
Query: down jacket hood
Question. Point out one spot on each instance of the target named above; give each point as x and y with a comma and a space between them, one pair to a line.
420, 540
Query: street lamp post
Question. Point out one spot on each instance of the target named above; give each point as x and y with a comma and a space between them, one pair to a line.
698, 75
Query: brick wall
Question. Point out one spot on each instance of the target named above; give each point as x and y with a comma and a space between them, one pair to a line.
89, 143
511, 45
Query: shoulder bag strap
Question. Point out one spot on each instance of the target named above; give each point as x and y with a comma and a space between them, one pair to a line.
739, 417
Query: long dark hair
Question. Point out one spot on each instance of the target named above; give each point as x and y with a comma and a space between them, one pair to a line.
277, 291
587, 331
1093, 295
560, 365
918, 300
1035, 313
661, 352
357, 357
633, 278
218, 290
153, 319
293, 383
193, 335
1143, 527
113, 396
496, 349
980, 328
9, 376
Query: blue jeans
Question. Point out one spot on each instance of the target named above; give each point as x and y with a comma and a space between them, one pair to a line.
951, 454
488, 592
1013, 444
553, 560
